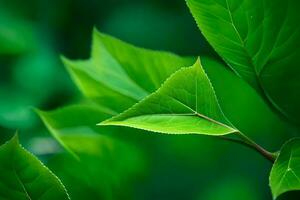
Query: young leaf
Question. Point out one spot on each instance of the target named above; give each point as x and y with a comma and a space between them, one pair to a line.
285, 173
119, 74
23, 176
185, 103
260, 40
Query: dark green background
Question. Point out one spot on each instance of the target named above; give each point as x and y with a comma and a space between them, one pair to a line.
34, 33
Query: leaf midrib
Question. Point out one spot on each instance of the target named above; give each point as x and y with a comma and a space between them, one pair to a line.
18, 177
195, 113
242, 43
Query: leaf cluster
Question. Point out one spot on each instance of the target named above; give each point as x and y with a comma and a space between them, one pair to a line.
131, 90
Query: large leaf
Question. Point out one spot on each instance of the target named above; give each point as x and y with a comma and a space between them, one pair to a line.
119, 74
23, 176
285, 174
260, 40
185, 103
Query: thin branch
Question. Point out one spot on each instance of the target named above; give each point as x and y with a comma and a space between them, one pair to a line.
252, 145
241, 142
268, 155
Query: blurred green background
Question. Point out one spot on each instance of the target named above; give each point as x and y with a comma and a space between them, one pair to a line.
34, 33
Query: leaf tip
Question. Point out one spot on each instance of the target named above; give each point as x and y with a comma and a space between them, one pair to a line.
39, 112
95, 30
197, 65
64, 60
198, 62
96, 35
36, 110
15, 138
13, 142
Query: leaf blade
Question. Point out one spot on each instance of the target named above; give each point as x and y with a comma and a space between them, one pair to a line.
185, 103
259, 40
73, 120
119, 74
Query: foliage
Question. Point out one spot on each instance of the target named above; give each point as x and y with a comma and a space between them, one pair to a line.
249, 95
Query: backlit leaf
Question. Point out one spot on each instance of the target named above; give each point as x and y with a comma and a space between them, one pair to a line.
185, 103
119, 74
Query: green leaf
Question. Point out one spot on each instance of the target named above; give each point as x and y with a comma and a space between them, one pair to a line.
73, 120
23, 176
94, 89
285, 173
80, 119
119, 74
260, 41
185, 103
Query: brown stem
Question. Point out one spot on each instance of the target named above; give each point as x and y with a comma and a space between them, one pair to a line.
251, 144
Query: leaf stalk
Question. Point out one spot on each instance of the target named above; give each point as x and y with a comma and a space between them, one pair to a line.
246, 141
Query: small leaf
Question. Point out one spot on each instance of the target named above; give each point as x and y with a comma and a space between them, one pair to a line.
119, 74
285, 173
185, 103
23, 176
